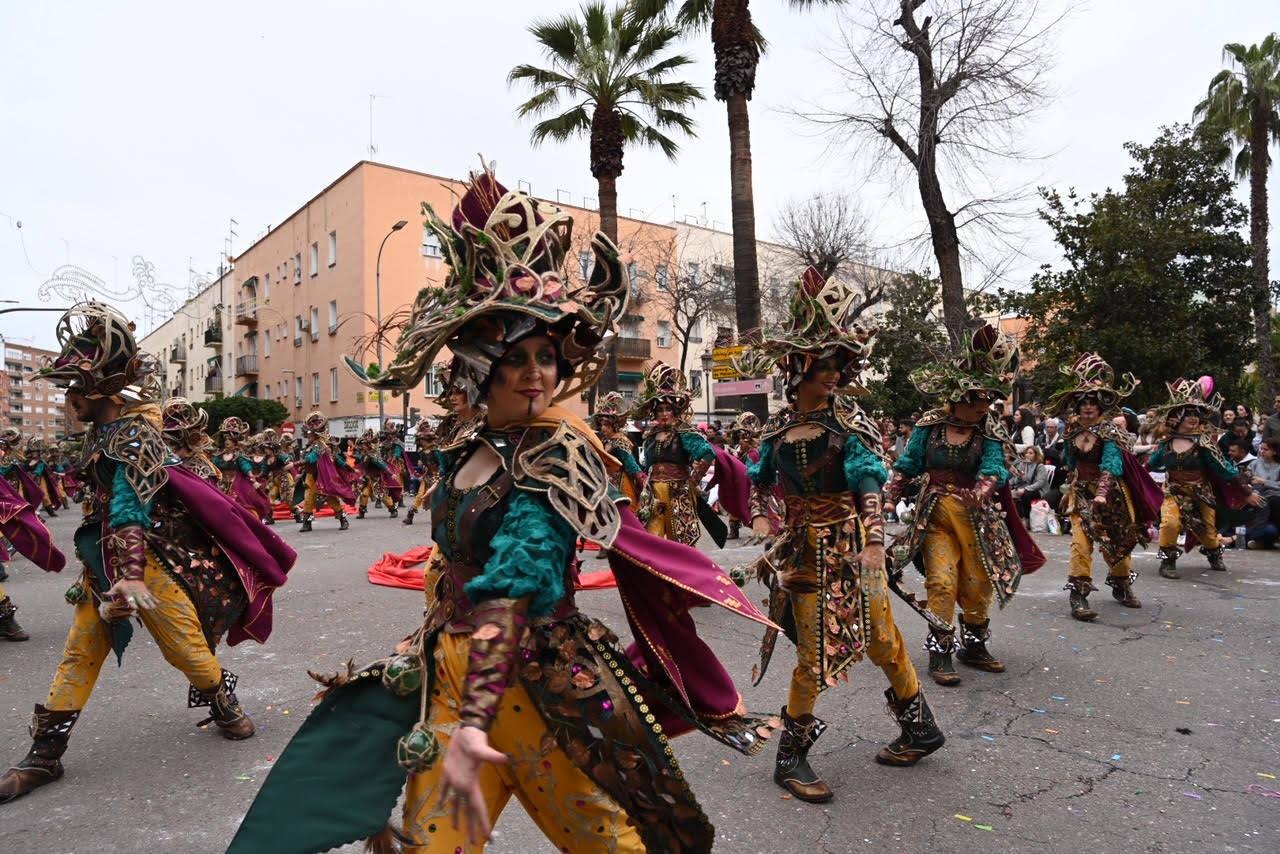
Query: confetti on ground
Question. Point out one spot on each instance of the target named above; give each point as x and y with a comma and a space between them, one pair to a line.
243, 777
1212, 724
1183, 702
984, 827
988, 738
1193, 795
1057, 698
1038, 711
1255, 789
1268, 776
1051, 731
785, 797
963, 817
724, 761
1116, 757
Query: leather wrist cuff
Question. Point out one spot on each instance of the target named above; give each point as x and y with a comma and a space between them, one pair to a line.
984, 489
758, 502
126, 553
872, 519
500, 623
1106, 482
893, 489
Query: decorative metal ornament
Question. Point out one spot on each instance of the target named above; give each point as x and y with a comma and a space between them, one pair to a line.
403, 675
418, 750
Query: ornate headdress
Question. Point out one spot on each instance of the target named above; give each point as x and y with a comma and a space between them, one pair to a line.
748, 425
35, 445
10, 438
611, 408
100, 358
1190, 397
183, 424
316, 423
506, 253
820, 328
1090, 378
662, 384
233, 427
986, 369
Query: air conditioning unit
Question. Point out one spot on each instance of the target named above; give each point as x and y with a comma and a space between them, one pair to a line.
297, 403
304, 325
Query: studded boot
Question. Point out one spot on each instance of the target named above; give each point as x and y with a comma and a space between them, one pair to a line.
940, 646
1122, 589
343, 521
224, 708
791, 769
1215, 559
4, 573
9, 628
42, 764
973, 651
1080, 588
1169, 562
735, 529
306, 523
409, 514
920, 734
395, 511
360, 513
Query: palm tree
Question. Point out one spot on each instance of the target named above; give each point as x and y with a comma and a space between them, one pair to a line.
738, 46
610, 79
1242, 106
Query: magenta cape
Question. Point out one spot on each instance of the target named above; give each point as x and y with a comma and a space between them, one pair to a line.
659, 581
330, 481
249, 496
1146, 494
22, 527
1028, 552
260, 557
28, 486
735, 488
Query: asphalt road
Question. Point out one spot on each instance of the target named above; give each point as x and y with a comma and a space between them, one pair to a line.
1153, 729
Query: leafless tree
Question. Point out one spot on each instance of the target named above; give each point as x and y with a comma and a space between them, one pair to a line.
944, 98
826, 231
692, 298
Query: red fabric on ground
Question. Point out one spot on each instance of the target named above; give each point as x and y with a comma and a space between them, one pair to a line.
284, 510
405, 571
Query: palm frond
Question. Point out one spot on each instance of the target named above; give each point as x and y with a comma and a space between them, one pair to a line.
564, 126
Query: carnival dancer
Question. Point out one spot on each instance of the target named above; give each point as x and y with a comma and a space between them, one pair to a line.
41, 472
13, 467
610, 421
376, 476
239, 477
21, 528
826, 572
676, 456
1111, 499
967, 533
325, 473
1198, 478
522, 693
157, 542
391, 449
274, 466
284, 478
426, 440
68, 475
745, 434
183, 429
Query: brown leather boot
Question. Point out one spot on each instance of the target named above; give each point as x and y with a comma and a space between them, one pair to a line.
42, 764
791, 768
1080, 588
1122, 590
920, 734
9, 628
973, 651
224, 708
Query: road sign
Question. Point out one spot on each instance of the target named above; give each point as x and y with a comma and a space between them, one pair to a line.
724, 354
724, 372
730, 389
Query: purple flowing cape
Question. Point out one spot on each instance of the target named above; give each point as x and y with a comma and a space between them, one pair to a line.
390, 479
260, 557
659, 581
1146, 494
22, 527
735, 488
330, 481
1229, 494
1028, 552
249, 496
29, 487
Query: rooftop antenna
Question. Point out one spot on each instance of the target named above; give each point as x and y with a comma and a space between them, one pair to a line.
373, 149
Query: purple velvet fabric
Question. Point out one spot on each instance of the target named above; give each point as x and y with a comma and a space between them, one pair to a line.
390, 478
1146, 494
735, 489
250, 497
22, 527
1029, 553
28, 487
659, 581
260, 557
330, 481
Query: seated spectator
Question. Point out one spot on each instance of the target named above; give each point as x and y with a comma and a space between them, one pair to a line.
1022, 429
1028, 480
1265, 472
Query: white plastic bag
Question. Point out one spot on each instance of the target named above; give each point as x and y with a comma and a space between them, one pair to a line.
1040, 516
1055, 527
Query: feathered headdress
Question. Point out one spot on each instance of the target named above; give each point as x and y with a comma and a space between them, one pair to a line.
985, 369
1090, 377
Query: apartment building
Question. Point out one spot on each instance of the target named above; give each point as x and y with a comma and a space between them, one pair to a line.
34, 406
189, 345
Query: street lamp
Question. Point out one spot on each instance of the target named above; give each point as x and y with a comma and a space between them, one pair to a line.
708, 362
377, 276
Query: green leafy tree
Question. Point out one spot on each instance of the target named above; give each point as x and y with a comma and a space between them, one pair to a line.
1243, 105
1156, 276
256, 412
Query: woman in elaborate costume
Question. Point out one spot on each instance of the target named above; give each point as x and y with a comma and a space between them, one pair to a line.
22, 529
239, 475
426, 440
826, 571
744, 435
377, 479
610, 422
325, 474
967, 533
521, 693
13, 467
1198, 478
183, 430
41, 471
676, 456
158, 543
1110, 498
391, 450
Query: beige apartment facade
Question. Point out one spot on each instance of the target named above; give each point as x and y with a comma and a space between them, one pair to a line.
34, 406
190, 345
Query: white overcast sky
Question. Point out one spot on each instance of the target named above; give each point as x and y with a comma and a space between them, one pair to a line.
134, 128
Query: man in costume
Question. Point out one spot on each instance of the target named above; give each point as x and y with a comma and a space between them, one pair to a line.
22, 529
676, 457
1110, 498
426, 441
826, 571
1198, 478
376, 478
183, 431
391, 449
239, 474
745, 437
41, 471
13, 467
967, 532
157, 542
325, 474
521, 693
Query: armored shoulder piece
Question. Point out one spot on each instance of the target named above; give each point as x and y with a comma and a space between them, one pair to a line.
140, 448
853, 420
576, 481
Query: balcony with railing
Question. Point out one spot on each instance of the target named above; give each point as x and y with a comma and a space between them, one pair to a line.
213, 334
178, 354
247, 314
213, 385
634, 348
247, 366
175, 390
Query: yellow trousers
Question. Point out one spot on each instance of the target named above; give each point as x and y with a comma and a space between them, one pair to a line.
173, 624
1081, 565
1171, 524
675, 514
367, 493
954, 573
309, 501
566, 805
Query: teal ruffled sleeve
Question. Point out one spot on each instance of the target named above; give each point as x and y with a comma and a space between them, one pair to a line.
629, 464
912, 462
992, 464
246, 465
38, 469
312, 456
126, 509
530, 552
1156, 461
697, 446
863, 467
1112, 459
765, 471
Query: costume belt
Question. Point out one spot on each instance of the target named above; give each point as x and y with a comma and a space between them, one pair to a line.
669, 473
452, 610
824, 508
951, 479
1185, 476
1088, 472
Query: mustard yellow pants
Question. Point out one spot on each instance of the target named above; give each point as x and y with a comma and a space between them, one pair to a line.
309, 501
1081, 565
173, 623
367, 493
1171, 524
566, 805
954, 574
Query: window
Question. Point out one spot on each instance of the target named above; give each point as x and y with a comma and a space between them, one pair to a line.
333, 248
695, 270
315, 259
297, 267
585, 264
430, 244
333, 384
630, 326
266, 392
664, 333
333, 316
633, 272
664, 278
695, 330
695, 382
435, 380
297, 391
315, 388
297, 330
315, 323
280, 389
266, 346
266, 286
286, 269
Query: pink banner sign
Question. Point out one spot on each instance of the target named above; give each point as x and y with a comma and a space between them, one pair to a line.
737, 387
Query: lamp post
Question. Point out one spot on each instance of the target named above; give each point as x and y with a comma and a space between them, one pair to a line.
377, 277
708, 363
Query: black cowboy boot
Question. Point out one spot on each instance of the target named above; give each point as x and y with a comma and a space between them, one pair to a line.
224, 708
9, 628
940, 646
1169, 562
4, 573
735, 528
920, 734
395, 511
1122, 589
1215, 558
41, 766
360, 513
1080, 588
973, 651
343, 522
306, 523
408, 516
791, 769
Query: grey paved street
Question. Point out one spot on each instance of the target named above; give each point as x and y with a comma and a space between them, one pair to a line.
1153, 729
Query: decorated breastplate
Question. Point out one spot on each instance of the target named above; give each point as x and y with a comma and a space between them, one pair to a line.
813, 464
1188, 460
670, 450
966, 458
